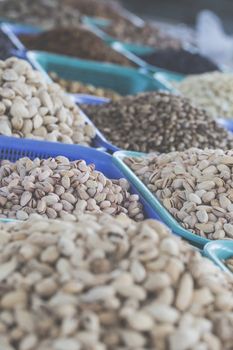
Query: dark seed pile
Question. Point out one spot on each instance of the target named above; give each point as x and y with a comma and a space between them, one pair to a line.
146, 35
78, 42
180, 61
42, 13
156, 121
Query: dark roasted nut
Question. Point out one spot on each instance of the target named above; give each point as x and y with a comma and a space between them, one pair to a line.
180, 61
155, 121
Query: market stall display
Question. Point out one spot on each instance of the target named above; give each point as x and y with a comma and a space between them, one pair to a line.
89, 253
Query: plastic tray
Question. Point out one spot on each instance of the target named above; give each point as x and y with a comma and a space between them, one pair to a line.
159, 209
14, 148
218, 251
8, 220
124, 80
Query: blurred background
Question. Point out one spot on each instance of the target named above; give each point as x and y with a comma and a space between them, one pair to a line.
184, 11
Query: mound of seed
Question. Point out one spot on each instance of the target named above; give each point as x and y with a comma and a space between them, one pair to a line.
97, 8
195, 186
78, 42
180, 61
57, 188
32, 108
77, 87
42, 13
155, 121
148, 35
229, 263
212, 91
106, 284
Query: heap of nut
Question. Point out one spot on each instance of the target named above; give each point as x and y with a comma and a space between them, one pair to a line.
78, 41
196, 186
145, 34
212, 91
32, 108
60, 188
77, 87
158, 121
43, 13
109, 283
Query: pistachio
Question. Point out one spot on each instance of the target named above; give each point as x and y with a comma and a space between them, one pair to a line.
94, 284
30, 107
199, 196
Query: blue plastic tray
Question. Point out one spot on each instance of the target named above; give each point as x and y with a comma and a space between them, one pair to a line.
89, 99
14, 148
13, 30
124, 80
159, 209
218, 251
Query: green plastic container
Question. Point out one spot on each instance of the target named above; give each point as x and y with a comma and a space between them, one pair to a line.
218, 251
159, 209
124, 80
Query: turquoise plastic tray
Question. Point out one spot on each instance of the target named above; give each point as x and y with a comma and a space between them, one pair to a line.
159, 209
124, 80
218, 251
8, 220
